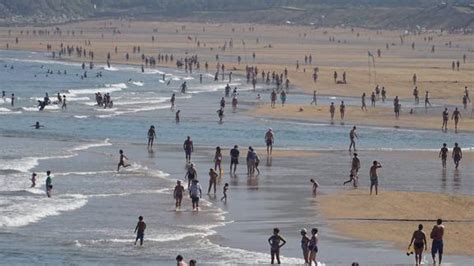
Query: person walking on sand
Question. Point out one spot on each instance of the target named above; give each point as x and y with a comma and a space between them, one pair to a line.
151, 136
363, 107
188, 148
269, 140
443, 154
416, 95
234, 158
374, 178
195, 192
49, 184
332, 111
313, 247
456, 116
427, 99
178, 194
437, 234
224, 192
140, 230
396, 107
304, 245
418, 240
457, 155
276, 242
342, 110
212, 181
122, 159
352, 137
445, 119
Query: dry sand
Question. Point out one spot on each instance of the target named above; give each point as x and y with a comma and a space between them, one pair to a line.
379, 116
417, 207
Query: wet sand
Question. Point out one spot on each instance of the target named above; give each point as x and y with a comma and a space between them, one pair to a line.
359, 215
379, 116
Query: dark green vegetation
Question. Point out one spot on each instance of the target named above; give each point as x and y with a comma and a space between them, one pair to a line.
405, 14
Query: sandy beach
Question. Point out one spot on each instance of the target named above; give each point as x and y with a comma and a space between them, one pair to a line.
284, 197
277, 48
394, 215
380, 116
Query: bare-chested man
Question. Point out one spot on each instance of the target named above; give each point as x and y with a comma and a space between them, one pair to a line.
437, 245
443, 154
269, 139
418, 240
363, 106
374, 178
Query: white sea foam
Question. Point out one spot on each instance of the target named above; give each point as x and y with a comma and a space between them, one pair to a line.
138, 83
136, 110
20, 211
107, 89
92, 145
80, 116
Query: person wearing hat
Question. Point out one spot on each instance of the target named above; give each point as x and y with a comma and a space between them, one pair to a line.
304, 244
269, 139
151, 136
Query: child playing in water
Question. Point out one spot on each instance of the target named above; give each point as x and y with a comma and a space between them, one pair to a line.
226, 187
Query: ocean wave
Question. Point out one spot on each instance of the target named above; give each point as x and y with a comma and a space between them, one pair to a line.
81, 116
108, 88
92, 145
18, 211
138, 83
136, 110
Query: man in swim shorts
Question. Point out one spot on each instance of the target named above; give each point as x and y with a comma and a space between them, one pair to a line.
188, 148
234, 158
374, 179
437, 245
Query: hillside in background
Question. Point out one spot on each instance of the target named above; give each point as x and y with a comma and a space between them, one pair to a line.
404, 14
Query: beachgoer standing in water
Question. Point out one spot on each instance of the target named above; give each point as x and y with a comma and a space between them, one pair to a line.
191, 174
313, 247
342, 109
269, 139
315, 186
304, 245
122, 159
374, 178
276, 242
352, 137
437, 245
177, 116
315, 99
140, 230
445, 119
195, 192
218, 159
151, 136
33, 180
332, 111
457, 155
419, 242
188, 148
49, 184
172, 100
178, 194
234, 158
224, 191
212, 181
443, 154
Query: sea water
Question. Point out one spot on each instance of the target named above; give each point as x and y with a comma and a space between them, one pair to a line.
93, 211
